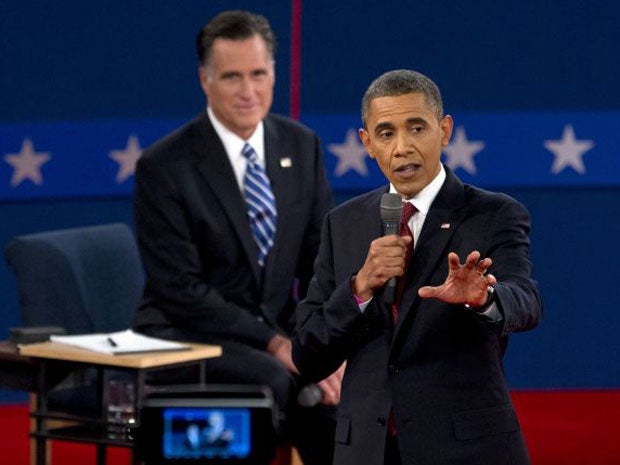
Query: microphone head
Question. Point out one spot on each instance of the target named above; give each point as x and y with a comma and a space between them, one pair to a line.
309, 395
391, 208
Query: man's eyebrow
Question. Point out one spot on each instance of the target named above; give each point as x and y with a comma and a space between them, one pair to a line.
388, 125
416, 120
383, 125
229, 74
234, 74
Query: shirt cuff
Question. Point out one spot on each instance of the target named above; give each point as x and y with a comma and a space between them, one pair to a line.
492, 313
361, 303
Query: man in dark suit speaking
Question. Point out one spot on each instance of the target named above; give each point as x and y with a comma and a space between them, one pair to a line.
228, 211
424, 381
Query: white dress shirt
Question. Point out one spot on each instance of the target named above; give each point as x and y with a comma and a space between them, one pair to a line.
233, 144
422, 201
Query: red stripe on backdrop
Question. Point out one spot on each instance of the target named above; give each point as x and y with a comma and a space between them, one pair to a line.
295, 79
14, 443
570, 427
561, 428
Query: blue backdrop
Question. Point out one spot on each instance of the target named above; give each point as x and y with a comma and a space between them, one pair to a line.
532, 87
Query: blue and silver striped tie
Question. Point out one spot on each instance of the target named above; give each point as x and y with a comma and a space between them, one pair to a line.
261, 204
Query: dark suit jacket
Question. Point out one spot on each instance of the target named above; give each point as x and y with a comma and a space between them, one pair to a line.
440, 367
196, 243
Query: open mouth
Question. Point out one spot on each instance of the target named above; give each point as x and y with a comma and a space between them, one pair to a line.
408, 170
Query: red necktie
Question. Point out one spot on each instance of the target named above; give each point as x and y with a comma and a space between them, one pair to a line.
408, 211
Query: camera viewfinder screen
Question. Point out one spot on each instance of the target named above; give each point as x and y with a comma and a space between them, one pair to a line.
196, 433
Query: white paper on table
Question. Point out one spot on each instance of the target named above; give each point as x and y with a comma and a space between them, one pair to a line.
120, 342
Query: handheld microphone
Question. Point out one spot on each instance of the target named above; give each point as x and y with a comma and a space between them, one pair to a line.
391, 213
309, 395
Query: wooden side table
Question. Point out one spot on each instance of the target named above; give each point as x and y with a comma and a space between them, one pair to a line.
49, 357
17, 371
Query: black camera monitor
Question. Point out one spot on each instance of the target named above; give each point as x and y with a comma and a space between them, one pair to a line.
214, 424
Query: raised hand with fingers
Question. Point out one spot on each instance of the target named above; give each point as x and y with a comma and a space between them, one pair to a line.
467, 283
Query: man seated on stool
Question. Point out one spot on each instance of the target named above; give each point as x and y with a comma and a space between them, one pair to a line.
228, 213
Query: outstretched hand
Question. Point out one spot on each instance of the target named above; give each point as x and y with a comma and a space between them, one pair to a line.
466, 283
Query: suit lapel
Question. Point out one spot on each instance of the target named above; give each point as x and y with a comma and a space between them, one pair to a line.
443, 218
275, 144
277, 149
214, 167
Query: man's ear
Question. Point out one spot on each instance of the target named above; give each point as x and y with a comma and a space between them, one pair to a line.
365, 138
204, 79
446, 125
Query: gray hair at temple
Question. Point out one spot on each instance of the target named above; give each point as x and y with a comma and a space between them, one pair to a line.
400, 82
233, 25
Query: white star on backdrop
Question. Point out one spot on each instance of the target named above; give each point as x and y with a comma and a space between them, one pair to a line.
351, 155
27, 164
460, 152
127, 159
568, 151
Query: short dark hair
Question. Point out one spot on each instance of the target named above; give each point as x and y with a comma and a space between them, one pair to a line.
233, 25
401, 82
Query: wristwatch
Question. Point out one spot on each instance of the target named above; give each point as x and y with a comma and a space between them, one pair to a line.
487, 304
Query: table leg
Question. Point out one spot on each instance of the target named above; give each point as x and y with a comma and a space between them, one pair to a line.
101, 454
39, 422
32, 405
203, 372
140, 391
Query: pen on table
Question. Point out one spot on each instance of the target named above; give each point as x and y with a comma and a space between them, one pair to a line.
112, 342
